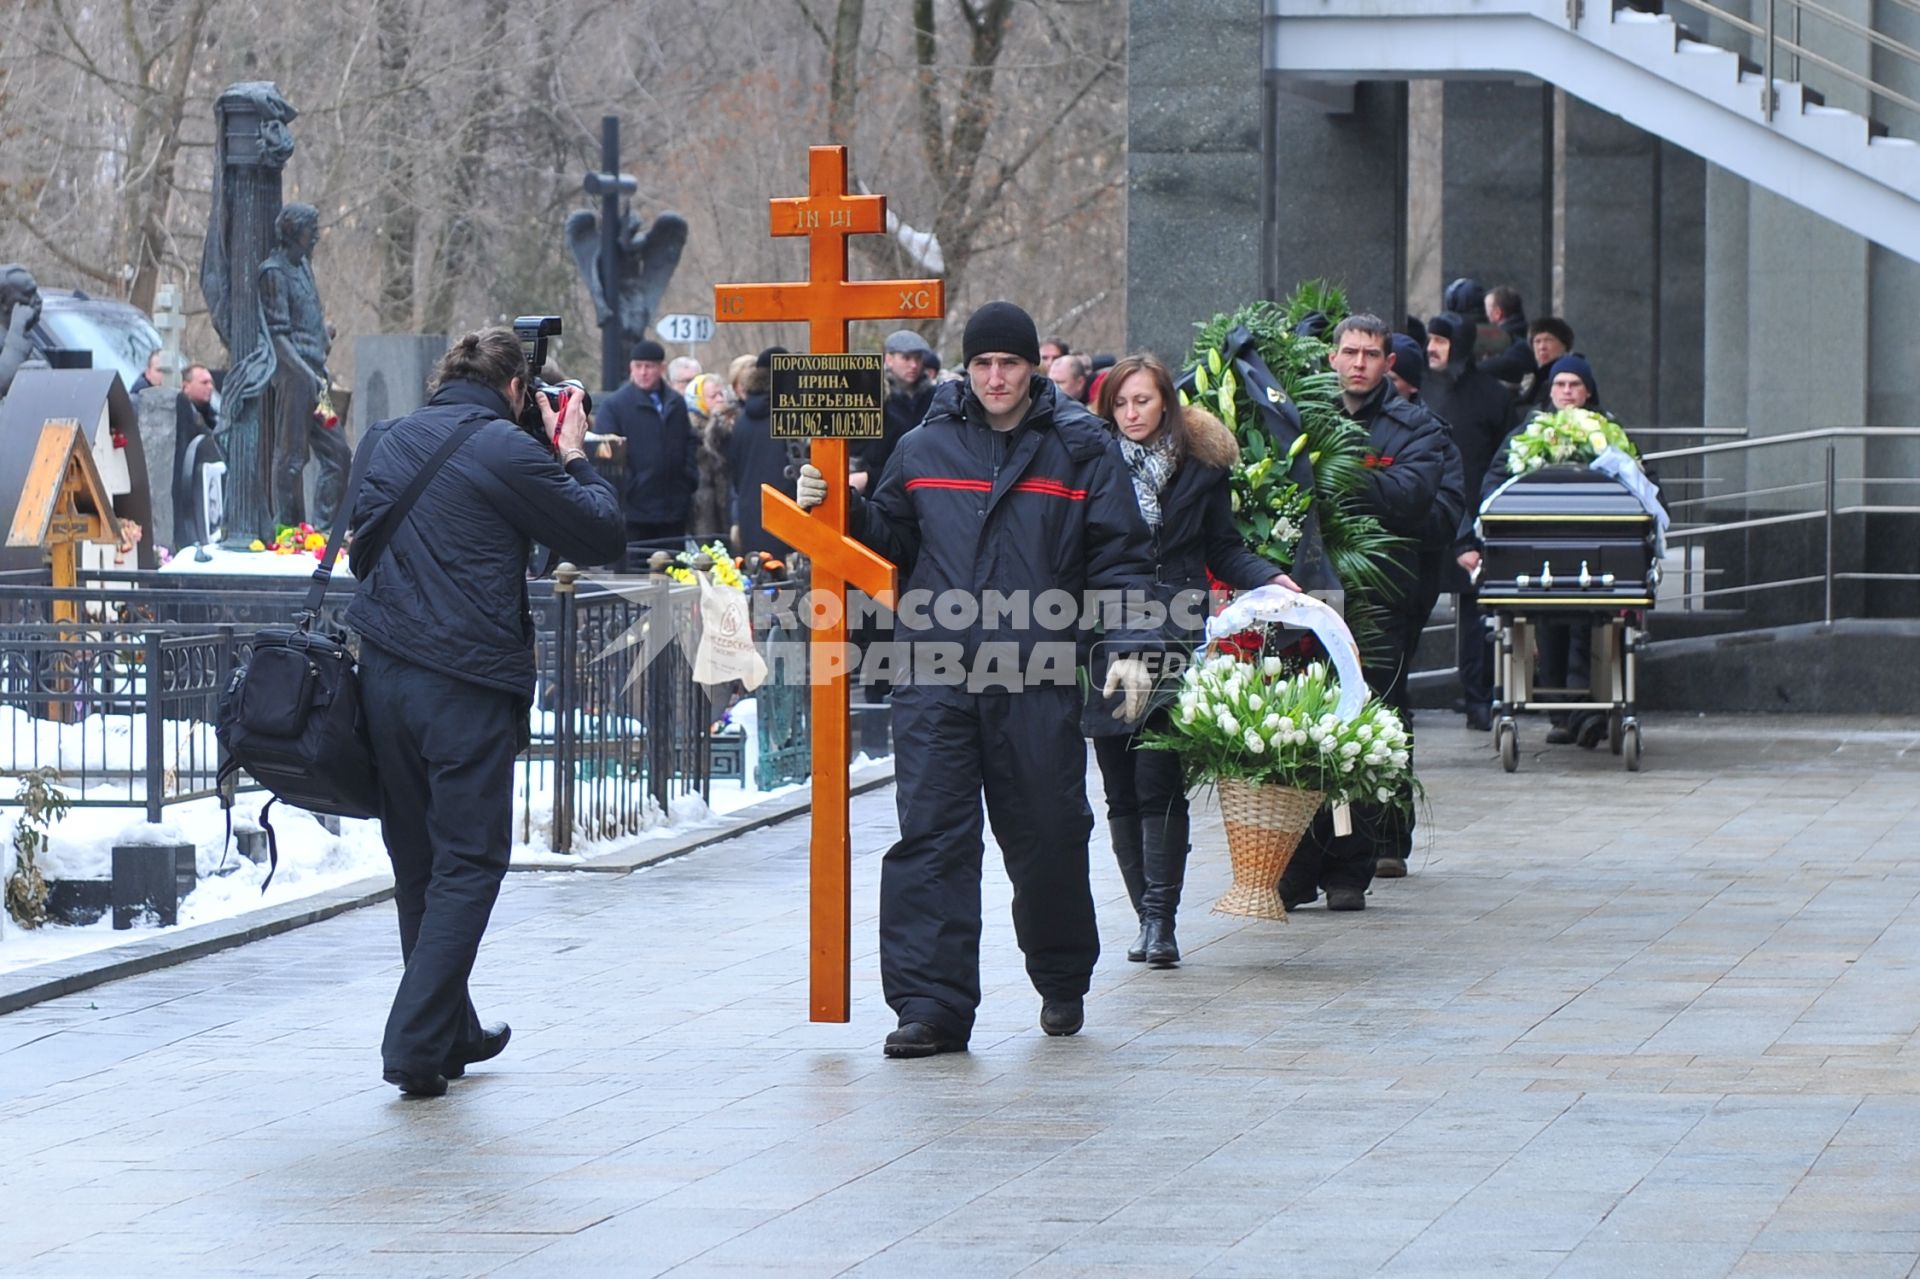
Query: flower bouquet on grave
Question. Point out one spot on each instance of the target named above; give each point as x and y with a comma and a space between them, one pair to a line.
294, 539
1279, 735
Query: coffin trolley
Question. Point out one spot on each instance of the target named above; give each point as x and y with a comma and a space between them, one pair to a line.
1571, 546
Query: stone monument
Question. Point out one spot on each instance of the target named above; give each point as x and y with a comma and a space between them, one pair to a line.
626, 262
19, 310
390, 375
251, 147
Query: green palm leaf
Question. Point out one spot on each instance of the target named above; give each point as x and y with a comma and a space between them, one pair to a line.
1357, 545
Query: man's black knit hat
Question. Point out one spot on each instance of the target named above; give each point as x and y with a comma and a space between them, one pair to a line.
1001, 327
1409, 361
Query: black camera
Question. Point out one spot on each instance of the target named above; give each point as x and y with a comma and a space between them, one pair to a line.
533, 332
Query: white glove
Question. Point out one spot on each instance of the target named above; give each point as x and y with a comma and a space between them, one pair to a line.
1128, 676
811, 488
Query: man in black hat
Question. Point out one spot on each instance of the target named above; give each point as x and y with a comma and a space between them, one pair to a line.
909, 394
1413, 488
663, 454
1005, 507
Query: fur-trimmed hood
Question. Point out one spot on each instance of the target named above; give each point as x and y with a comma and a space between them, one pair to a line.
1209, 442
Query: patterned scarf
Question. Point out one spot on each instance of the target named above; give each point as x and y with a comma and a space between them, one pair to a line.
1152, 465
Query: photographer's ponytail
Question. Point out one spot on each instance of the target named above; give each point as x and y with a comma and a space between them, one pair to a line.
492, 357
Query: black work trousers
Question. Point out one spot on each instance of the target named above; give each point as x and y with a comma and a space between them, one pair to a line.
1024, 750
1147, 803
1566, 661
1326, 860
445, 749
1472, 651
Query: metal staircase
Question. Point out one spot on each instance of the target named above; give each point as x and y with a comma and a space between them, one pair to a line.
1751, 110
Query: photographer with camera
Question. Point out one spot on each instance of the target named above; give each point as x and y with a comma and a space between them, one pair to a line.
447, 664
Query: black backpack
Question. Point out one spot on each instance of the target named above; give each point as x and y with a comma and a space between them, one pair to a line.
290, 717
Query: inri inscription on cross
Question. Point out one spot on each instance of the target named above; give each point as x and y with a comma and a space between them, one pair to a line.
827, 301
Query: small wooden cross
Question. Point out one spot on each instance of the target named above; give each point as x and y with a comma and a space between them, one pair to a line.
827, 301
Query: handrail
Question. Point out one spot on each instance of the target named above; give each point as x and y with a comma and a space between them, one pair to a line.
1709, 432
1789, 437
1767, 34
1871, 85
1860, 29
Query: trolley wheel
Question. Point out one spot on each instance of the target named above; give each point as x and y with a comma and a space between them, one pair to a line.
1507, 739
1616, 731
1630, 748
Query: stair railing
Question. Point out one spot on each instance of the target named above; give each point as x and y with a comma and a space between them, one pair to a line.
1773, 42
1681, 534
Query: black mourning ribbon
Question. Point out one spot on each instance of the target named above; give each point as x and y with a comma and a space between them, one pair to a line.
1311, 567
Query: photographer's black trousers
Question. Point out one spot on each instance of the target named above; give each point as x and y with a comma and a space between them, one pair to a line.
445, 750
1024, 750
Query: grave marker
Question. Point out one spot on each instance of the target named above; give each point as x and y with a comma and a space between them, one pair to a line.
827, 301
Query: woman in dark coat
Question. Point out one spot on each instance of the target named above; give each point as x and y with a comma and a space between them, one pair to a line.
1178, 457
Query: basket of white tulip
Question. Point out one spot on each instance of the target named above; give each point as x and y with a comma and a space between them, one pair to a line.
1279, 736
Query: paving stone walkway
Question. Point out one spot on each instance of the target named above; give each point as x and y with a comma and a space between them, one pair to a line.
1661, 1024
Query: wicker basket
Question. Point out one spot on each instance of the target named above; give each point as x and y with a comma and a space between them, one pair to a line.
1264, 824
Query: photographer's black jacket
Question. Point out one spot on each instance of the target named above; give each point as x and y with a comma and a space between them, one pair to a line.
1046, 506
450, 593
663, 454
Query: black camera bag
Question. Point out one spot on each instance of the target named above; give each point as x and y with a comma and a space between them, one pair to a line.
290, 716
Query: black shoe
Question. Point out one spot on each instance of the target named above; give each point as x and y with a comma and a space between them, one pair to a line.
921, 1039
493, 1040
1480, 719
1346, 899
416, 1085
1137, 953
1062, 1016
1591, 732
1162, 950
1390, 868
1559, 735
1291, 904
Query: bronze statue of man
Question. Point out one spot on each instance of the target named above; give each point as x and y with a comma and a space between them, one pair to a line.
296, 329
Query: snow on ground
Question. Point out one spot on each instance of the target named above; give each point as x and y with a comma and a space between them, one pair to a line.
104, 747
312, 860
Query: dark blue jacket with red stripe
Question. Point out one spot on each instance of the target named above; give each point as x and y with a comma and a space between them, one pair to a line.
1046, 507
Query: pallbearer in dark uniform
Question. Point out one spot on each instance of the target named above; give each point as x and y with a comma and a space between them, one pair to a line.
446, 670
1007, 489
1414, 488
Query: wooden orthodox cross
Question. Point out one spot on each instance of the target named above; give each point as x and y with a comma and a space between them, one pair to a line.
827, 301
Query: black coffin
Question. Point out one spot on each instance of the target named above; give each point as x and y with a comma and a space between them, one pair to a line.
1566, 537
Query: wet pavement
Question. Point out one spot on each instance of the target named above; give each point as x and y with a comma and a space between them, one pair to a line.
1612, 1024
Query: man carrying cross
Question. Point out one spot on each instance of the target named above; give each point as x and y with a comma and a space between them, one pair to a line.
1007, 502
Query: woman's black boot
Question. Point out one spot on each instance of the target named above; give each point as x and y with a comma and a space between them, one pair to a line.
1162, 950
1164, 856
1127, 851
